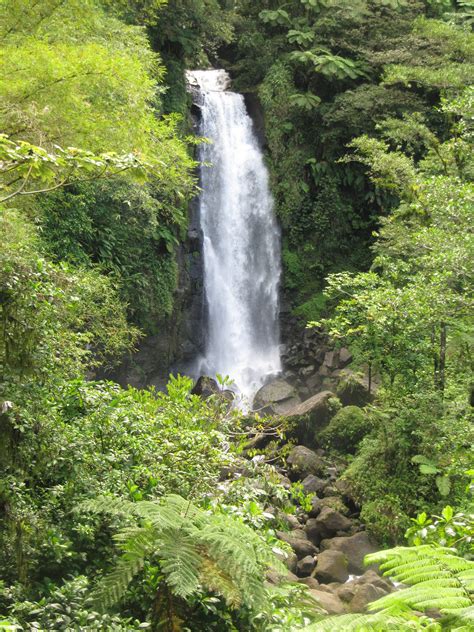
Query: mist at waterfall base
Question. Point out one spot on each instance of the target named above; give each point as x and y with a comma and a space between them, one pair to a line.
241, 243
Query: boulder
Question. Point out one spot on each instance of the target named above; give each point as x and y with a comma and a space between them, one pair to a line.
275, 578
313, 383
347, 591
205, 387
331, 359
335, 502
346, 429
290, 560
331, 567
307, 418
313, 531
277, 397
330, 602
311, 582
345, 358
313, 485
306, 566
330, 522
353, 389
316, 407
363, 595
290, 519
371, 577
299, 542
354, 547
302, 461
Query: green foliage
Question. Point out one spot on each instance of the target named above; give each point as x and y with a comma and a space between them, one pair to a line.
194, 548
28, 164
93, 439
65, 608
126, 230
54, 319
454, 529
346, 429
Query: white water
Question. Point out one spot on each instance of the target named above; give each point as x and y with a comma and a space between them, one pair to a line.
241, 242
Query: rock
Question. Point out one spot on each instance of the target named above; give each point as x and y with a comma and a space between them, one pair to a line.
299, 542
330, 602
331, 567
347, 591
303, 461
313, 531
290, 519
308, 417
313, 383
274, 577
330, 491
273, 395
335, 502
330, 522
205, 387
306, 566
371, 577
330, 359
316, 407
313, 485
324, 371
353, 390
344, 488
345, 358
363, 595
354, 547
290, 560
306, 371
311, 582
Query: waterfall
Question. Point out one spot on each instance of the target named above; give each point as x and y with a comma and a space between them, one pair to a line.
241, 241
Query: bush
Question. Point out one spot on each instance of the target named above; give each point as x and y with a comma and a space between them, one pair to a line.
346, 429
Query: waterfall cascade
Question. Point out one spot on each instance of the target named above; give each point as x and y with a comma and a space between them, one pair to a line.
241, 241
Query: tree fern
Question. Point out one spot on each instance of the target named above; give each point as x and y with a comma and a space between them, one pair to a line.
434, 578
195, 548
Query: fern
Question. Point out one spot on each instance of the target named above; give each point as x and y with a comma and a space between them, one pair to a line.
195, 548
435, 578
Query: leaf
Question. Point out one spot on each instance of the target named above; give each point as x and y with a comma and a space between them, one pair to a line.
444, 485
428, 469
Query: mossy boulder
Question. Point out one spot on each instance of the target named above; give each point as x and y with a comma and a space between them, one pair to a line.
307, 418
353, 389
346, 429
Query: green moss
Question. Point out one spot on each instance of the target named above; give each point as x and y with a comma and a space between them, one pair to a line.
346, 429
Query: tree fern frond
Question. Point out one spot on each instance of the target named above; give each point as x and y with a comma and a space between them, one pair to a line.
170, 511
194, 547
111, 505
219, 581
180, 561
136, 541
112, 588
364, 623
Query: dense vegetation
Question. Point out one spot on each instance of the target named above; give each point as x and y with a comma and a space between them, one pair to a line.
113, 510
